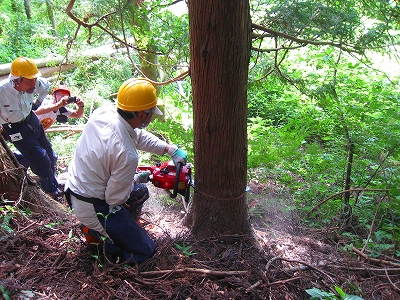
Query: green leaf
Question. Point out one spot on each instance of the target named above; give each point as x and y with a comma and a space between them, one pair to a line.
316, 293
5, 293
352, 297
186, 250
394, 191
340, 291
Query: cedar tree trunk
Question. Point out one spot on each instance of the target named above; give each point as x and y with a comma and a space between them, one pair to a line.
17, 188
220, 43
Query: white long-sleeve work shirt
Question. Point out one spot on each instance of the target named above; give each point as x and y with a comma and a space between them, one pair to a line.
16, 106
106, 157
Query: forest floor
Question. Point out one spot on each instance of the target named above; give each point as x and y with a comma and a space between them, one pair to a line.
44, 256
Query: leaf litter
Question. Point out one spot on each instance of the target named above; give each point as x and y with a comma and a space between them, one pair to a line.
45, 256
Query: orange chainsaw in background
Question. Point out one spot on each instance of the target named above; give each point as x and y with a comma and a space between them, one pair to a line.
173, 179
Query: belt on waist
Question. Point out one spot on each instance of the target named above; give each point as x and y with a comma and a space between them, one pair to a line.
9, 126
95, 201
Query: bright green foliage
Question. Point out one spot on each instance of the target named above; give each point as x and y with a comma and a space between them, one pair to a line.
5, 293
314, 17
303, 134
7, 213
52, 225
155, 28
186, 249
103, 74
15, 31
316, 294
359, 25
174, 133
306, 103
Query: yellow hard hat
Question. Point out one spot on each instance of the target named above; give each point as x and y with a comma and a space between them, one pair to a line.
137, 94
24, 67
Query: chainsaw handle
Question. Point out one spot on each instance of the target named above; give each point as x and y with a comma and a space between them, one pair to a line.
146, 168
179, 166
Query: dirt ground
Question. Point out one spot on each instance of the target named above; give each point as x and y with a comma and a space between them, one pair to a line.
44, 256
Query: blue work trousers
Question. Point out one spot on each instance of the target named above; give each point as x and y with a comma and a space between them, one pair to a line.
130, 240
37, 150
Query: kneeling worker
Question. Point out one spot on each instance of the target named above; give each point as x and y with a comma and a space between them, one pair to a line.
102, 175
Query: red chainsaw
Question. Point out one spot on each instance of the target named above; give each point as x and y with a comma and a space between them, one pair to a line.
169, 177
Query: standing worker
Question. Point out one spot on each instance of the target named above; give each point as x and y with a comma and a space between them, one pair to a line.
102, 175
21, 125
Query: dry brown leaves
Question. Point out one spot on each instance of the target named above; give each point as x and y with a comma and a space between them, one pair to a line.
46, 257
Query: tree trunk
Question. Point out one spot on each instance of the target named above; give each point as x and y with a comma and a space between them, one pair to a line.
220, 35
19, 189
347, 183
28, 9
147, 50
50, 13
11, 173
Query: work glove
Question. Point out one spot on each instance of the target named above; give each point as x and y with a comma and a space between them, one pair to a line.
142, 177
177, 155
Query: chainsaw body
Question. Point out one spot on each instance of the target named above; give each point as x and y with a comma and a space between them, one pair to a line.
169, 177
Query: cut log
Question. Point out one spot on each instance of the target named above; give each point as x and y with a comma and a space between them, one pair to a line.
65, 128
54, 60
48, 72
50, 65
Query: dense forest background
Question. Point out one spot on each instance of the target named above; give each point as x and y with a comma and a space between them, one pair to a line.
323, 95
312, 111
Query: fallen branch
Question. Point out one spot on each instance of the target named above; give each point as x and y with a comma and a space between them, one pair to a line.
368, 269
297, 261
139, 277
343, 192
40, 63
253, 286
71, 128
194, 270
272, 283
383, 255
26, 227
380, 261
136, 291
391, 282
372, 227
284, 281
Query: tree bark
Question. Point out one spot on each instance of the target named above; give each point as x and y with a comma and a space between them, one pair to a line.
17, 188
50, 13
28, 9
140, 28
11, 173
220, 35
